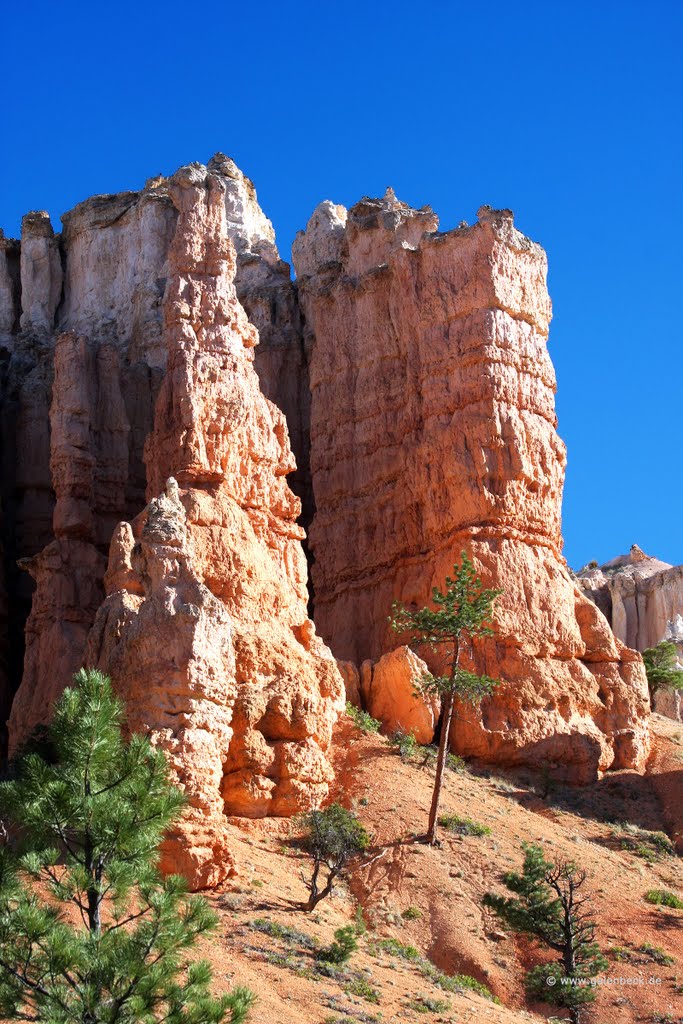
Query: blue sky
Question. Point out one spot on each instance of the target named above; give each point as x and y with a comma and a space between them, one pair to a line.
569, 113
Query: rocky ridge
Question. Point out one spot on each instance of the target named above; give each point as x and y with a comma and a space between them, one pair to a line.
204, 629
642, 599
412, 362
433, 431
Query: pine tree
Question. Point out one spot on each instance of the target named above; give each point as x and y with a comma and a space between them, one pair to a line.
331, 837
89, 930
552, 905
462, 611
661, 668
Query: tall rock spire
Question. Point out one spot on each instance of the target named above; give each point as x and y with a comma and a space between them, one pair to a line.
433, 430
205, 629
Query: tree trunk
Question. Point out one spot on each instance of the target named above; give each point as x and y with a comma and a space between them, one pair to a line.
94, 922
440, 768
94, 895
568, 956
315, 896
313, 887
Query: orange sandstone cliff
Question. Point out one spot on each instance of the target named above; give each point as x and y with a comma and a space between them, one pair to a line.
103, 280
205, 629
433, 430
402, 385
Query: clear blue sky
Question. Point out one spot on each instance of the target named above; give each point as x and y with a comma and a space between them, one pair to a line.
569, 113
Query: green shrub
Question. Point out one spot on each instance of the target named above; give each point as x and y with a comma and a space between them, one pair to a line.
650, 953
457, 982
661, 668
664, 898
403, 950
463, 826
339, 951
362, 988
411, 914
283, 932
362, 719
455, 763
360, 924
656, 954
620, 953
404, 743
650, 846
425, 1004
447, 982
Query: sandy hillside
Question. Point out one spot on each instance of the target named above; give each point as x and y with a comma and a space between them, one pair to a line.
431, 899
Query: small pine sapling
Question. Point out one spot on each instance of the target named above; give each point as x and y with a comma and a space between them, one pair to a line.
340, 951
463, 611
551, 904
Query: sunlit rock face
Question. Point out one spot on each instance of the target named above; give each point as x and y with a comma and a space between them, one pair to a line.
103, 280
268, 294
412, 364
433, 431
642, 598
129, 361
207, 633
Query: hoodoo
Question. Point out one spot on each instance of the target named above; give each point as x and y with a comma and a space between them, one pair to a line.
433, 430
204, 629
141, 416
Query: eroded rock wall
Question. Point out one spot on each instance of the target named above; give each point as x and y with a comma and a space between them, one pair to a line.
268, 294
103, 280
431, 412
207, 635
433, 431
642, 598
89, 322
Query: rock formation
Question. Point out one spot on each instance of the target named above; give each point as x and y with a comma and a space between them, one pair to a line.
433, 431
87, 313
89, 470
391, 693
430, 405
642, 598
205, 629
268, 294
9, 288
103, 279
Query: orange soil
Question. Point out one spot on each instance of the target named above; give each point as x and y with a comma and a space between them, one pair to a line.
446, 886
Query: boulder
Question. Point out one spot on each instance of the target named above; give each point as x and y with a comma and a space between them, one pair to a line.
392, 694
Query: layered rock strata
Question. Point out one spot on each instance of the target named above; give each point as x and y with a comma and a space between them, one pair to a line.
205, 628
104, 279
642, 598
268, 294
100, 283
89, 470
432, 432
